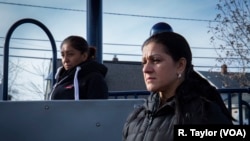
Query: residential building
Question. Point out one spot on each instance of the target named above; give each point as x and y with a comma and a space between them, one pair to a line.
127, 76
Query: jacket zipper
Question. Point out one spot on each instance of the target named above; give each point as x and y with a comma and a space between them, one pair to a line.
54, 87
150, 120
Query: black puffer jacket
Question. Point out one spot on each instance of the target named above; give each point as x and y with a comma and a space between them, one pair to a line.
151, 123
88, 82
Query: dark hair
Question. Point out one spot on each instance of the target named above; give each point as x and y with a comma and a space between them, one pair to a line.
79, 43
175, 45
92, 53
194, 85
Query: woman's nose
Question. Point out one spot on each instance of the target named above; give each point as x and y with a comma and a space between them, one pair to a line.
65, 59
147, 68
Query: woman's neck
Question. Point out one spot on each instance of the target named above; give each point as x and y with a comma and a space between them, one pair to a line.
169, 91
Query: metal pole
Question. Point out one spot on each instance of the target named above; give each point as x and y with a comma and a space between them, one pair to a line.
94, 26
6, 52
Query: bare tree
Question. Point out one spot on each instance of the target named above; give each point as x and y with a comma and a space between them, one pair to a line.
42, 71
17, 89
231, 34
37, 87
13, 71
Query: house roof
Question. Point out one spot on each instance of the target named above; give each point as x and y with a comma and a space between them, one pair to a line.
124, 76
121, 75
228, 80
127, 76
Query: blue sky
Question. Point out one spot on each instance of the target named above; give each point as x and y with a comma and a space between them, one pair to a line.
116, 29
182, 15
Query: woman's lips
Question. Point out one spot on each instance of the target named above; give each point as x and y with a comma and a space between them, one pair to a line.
149, 79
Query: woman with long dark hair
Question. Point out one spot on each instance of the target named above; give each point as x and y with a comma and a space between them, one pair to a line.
179, 95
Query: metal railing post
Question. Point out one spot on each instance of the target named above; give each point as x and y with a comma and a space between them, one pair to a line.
6, 52
94, 26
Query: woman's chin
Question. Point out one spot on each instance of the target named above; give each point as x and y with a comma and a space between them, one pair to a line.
151, 89
67, 67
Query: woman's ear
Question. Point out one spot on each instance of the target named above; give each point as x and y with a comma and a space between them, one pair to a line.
181, 65
84, 56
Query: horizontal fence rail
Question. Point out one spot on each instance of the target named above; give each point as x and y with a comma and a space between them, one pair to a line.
230, 93
241, 102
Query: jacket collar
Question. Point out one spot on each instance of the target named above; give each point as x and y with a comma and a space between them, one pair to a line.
152, 104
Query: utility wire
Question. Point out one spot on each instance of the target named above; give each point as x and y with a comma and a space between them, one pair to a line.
22, 68
108, 13
30, 39
111, 44
158, 17
38, 6
121, 54
198, 66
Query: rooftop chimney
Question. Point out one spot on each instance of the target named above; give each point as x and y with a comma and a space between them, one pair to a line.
224, 69
115, 59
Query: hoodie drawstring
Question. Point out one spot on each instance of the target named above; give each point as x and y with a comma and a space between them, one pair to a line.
76, 85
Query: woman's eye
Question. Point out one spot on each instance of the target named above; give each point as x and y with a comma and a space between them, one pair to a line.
68, 55
156, 60
144, 61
